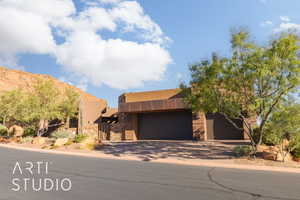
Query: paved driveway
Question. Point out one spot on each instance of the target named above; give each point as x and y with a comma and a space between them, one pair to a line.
151, 150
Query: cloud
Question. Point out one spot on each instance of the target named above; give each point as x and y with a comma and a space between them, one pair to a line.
266, 23
110, 1
284, 18
133, 17
115, 62
34, 26
287, 27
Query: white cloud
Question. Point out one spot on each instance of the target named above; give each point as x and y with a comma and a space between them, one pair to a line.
285, 18
118, 63
110, 1
132, 15
179, 76
266, 23
287, 27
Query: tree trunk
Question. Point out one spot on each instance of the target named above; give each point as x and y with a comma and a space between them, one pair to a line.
4, 121
67, 123
43, 127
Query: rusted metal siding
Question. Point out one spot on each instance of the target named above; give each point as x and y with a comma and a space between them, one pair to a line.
148, 106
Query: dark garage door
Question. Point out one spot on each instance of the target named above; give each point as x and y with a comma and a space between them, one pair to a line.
165, 126
219, 128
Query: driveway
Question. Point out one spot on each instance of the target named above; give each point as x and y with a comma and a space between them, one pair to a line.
152, 150
94, 178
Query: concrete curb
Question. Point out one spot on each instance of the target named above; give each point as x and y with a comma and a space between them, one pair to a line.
206, 163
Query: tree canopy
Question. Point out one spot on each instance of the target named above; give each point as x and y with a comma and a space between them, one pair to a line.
251, 82
36, 108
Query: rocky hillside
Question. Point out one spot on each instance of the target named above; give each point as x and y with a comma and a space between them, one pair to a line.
13, 79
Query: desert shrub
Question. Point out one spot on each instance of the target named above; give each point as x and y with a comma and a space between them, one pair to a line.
242, 150
79, 138
269, 138
294, 145
90, 146
27, 139
3, 130
29, 132
61, 134
296, 153
69, 143
272, 138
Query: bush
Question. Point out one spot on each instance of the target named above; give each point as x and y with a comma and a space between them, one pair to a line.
79, 138
29, 132
69, 143
61, 134
295, 146
296, 153
27, 139
3, 131
242, 151
271, 138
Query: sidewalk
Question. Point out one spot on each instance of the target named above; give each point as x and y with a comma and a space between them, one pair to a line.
219, 163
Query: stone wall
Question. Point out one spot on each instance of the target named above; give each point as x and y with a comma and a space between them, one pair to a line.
129, 126
199, 126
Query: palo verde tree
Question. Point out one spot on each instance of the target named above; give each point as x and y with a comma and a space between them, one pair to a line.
251, 82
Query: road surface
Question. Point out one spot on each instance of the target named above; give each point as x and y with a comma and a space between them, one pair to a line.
101, 179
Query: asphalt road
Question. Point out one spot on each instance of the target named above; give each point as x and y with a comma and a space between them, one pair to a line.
94, 178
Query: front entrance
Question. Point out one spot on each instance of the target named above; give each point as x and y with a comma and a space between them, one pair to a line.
165, 126
219, 128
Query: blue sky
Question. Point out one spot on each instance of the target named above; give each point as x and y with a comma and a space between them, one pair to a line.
161, 38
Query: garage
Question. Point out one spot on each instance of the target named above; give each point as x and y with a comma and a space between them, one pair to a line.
219, 128
165, 126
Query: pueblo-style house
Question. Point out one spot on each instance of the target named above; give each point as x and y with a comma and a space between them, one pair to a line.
158, 115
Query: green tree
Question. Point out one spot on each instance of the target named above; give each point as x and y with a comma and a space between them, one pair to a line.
43, 105
284, 125
10, 105
252, 81
69, 105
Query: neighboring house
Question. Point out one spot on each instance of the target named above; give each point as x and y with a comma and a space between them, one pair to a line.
89, 111
106, 121
162, 115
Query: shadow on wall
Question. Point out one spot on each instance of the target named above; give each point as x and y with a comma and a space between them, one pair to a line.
152, 150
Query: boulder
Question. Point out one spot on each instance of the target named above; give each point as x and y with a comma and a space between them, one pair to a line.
280, 156
267, 155
296, 159
16, 131
39, 140
262, 148
61, 141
